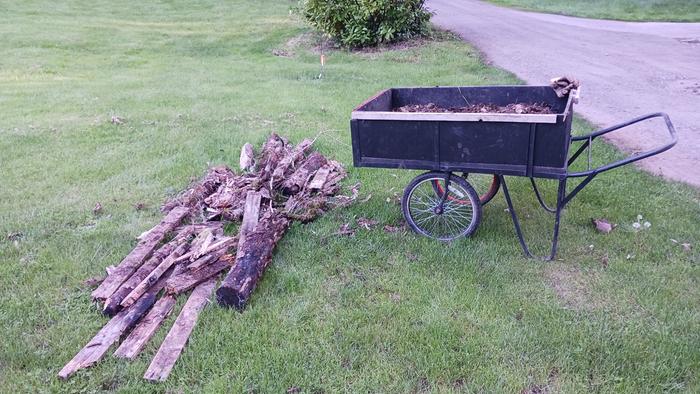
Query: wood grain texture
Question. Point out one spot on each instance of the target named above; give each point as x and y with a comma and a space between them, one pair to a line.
153, 277
177, 337
147, 327
139, 254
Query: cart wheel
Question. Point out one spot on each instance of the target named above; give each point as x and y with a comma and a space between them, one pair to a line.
458, 216
485, 185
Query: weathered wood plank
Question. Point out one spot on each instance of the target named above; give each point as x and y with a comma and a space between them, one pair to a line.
319, 179
112, 304
140, 253
147, 327
153, 277
188, 279
177, 337
112, 331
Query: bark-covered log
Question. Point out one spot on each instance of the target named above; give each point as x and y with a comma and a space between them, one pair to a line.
147, 327
175, 341
252, 258
140, 253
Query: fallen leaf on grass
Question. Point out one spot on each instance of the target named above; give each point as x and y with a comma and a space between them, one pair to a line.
396, 297
293, 390
364, 200
604, 261
367, 224
346, 229
603, 226
686, 247
98, 209
117, 120
140, 206
93, 282
395, 229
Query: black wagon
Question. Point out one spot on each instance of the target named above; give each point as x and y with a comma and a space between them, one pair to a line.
444, 205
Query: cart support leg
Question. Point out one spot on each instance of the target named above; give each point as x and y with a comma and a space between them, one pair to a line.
561, 195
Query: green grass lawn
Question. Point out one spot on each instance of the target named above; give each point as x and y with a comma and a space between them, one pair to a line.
376, 312
626, 10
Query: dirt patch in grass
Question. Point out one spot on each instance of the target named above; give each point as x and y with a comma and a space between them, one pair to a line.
574, 287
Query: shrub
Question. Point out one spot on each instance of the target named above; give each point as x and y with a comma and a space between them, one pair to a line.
361, 23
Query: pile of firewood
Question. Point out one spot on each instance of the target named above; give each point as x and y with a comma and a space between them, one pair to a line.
188, 249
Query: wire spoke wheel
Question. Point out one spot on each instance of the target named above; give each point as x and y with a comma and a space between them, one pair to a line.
428, 215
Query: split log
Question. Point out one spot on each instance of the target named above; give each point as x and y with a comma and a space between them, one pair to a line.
153, 277
112, 331
186, 280
112, 304
140, 253
147, 327
213, 253
298, 179
175, 341
252, 258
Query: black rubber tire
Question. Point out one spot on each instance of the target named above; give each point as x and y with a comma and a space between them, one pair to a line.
473, 197
483, 198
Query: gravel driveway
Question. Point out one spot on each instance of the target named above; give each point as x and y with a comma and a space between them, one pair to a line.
626, 69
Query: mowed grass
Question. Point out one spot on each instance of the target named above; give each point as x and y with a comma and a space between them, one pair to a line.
625, 10
376, 312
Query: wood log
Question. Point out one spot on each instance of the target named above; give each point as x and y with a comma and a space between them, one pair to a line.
112, 304
153, 277
140, 253
252, 258
177, 337
147, 327
112, 331
186, 280
295, 182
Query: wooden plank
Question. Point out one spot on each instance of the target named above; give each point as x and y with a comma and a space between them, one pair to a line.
177, 337
455, 117
144, 331
153, 277
112, 331
250, 213
112, 304
188, 279
140, 253
319, 179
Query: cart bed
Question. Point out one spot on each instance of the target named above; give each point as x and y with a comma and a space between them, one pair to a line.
533, 145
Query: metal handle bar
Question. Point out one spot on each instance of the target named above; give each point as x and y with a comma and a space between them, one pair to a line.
629, 159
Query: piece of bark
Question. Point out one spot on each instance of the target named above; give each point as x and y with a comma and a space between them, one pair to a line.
140, 253
147, 327
296, 181
112, 304
112, 331
186, 280
153, 277
252, 258
250, 213
177, 337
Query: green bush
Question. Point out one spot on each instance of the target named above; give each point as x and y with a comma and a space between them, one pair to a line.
361, 23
